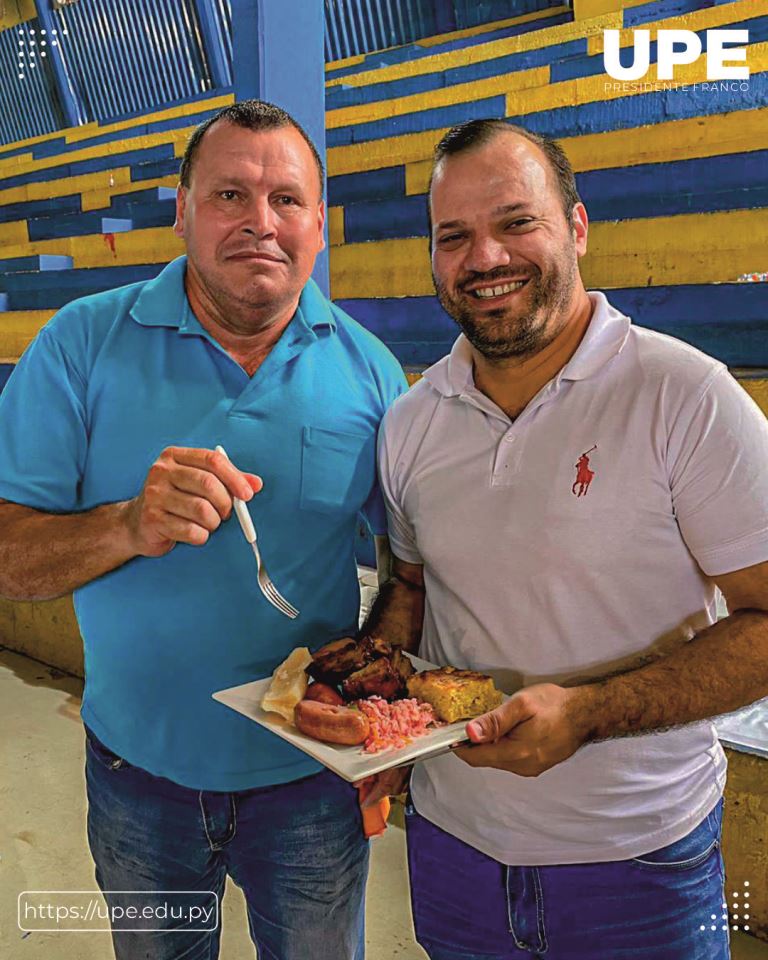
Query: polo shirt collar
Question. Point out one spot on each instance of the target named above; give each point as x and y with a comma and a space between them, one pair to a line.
604, 338
163, 303
315, 308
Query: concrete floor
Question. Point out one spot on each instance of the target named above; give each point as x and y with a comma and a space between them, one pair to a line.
42, 832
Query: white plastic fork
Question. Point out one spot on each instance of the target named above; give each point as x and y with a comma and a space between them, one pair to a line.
266, 586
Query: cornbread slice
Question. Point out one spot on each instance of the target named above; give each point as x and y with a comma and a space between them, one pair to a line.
455, 694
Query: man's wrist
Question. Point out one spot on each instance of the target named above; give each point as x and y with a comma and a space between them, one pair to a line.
121, 529
618, 706
585, 708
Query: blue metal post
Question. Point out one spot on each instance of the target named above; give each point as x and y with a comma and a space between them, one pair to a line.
64, 88
212, 45
278, 55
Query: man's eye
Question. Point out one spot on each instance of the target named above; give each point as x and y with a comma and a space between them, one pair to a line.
449, 238
520, 222
228, 194
286, 200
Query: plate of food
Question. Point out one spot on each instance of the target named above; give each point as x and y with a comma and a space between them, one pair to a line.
360, 707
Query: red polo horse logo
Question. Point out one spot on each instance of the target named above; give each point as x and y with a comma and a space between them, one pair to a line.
583, 474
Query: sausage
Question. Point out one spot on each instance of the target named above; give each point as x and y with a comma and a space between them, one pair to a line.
323, 694
330, 723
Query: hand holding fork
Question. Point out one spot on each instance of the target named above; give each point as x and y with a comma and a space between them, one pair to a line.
266, 586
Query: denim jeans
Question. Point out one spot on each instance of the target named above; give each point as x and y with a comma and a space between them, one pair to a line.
297, 851
467, 906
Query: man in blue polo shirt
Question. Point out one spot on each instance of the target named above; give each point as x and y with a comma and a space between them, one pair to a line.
111, 487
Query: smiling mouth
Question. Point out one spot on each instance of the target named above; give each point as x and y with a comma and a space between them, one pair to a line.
497, 290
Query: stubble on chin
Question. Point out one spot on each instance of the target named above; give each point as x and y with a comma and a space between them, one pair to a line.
244, 290
240, 308
495, 334
501, 335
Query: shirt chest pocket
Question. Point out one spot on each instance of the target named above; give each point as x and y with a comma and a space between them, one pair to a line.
337, 470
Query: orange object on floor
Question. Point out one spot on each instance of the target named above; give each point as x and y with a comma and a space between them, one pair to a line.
375, 817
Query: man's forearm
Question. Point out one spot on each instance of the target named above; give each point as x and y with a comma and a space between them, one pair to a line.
724, 668
45, 555
397, 614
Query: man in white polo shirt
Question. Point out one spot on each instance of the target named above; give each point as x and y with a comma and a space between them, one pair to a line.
566, 492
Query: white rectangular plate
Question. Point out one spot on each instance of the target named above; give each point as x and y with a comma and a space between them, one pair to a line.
348, 762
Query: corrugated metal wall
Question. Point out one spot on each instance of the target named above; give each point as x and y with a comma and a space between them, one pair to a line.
359, 26
28, 107
120, 57
471, 13
125, 57
130, 56
223, 18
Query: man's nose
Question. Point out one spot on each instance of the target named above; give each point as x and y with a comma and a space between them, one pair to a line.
259, 219
486, 253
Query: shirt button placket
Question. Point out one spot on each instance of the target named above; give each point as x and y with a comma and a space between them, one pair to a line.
504, 462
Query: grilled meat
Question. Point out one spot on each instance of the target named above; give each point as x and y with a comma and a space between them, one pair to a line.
375, 647
367, 667
340, 658
336, 660
381, 678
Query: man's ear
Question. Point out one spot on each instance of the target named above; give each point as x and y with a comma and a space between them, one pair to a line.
181, 204
580, 228
321, 224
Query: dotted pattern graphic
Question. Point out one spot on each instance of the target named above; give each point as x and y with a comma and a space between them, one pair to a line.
739, 913
33, 46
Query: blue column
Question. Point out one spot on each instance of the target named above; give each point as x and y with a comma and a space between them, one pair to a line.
278, 55
66, 94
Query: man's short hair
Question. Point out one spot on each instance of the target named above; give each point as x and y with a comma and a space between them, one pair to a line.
477, 133
252, 115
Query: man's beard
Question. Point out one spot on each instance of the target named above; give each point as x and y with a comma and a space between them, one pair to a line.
504, 334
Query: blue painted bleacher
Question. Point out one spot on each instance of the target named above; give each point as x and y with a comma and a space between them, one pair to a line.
337, 97
40, 291
415, 51
29, 209
726, 320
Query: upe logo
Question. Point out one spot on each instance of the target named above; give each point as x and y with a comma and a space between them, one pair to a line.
677, 47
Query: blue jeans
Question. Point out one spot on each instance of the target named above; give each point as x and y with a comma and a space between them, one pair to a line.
297, 850
467, 906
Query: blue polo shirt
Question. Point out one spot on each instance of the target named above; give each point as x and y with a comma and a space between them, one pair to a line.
107, 384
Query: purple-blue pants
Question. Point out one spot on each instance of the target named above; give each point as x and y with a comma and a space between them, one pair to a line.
666, 905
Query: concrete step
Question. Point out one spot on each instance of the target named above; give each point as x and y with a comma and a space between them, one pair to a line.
25, 209
34, 264
75, 225
39, 291
125, 204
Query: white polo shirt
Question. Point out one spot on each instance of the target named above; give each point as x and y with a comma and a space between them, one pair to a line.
541, 567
